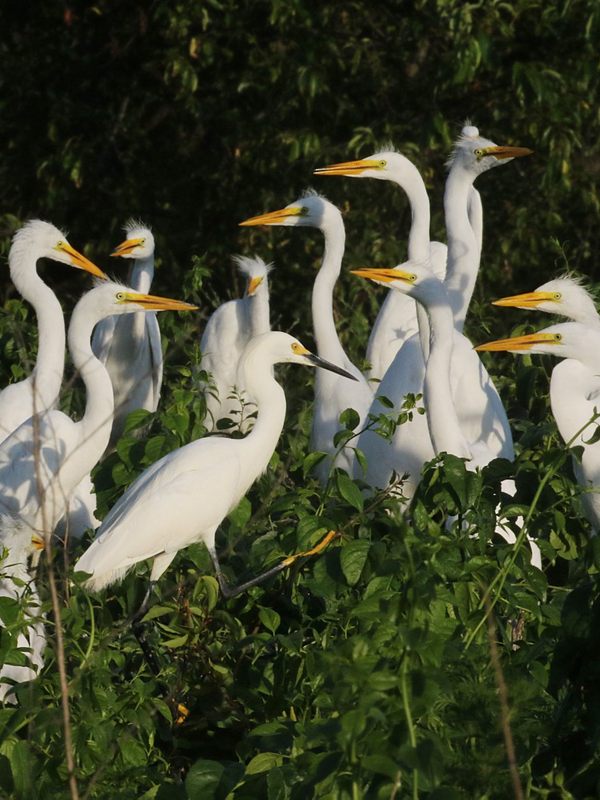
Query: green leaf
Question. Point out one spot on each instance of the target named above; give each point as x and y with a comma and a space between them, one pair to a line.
264, 762
352, 559
350, 419
137, 419
202, 781
382, 765
270, 619
349, 491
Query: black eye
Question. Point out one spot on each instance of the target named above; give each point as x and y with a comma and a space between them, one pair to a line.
383, 163
142, 243
413, 278
60, 244
479, 153
557, 295
303, 211
558, 337
120, 296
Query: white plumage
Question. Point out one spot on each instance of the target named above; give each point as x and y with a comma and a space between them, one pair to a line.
225, 336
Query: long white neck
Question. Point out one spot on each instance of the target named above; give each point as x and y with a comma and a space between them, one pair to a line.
260, 321
463, 247
326, 337
257, 374
93, 430
50, 362
140, 278
418, 238
442, 419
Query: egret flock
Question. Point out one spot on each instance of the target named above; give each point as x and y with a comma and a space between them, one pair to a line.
416, 347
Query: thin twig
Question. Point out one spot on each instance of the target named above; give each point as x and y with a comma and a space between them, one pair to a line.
60, 648
503, 697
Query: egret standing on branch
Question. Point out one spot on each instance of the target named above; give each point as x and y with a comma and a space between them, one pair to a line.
332, 395
184, 497
129, 346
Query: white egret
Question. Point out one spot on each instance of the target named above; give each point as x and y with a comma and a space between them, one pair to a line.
332, 395
472, 155
397, 318
449, 431
478, 402
184, 496
17, 584
225, 336
39, 391
129, 346
565, 296
46, 457
573, 385
481, 416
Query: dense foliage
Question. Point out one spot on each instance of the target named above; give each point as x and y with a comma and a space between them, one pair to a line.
366, 672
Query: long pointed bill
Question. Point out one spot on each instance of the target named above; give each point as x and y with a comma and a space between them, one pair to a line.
502, 153
127, 247
151, 302
272, 217
320, 362
382, 275
526, 300
351, 168
517, 344
80, 261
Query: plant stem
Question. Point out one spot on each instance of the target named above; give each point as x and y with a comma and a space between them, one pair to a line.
60, 646
503, 697
409, 722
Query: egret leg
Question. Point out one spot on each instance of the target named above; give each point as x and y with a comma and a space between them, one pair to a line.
233, 591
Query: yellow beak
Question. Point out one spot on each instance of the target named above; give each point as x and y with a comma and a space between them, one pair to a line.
37, 542
382, 275
501, 152
526, 300
156, 303
352, 168
253, 285
80, 261
273, 217
127, 247
517, 343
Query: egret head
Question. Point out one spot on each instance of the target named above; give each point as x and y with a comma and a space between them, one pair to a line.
110, 298
565, 296
386, 165
285, 349
311, 210
415, 280
475, 154
44, 240
255, 270
138, 243
563, 340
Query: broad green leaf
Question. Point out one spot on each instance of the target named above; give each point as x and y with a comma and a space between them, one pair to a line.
263, 762
202, 781
349, 491
352, 559
270, 619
